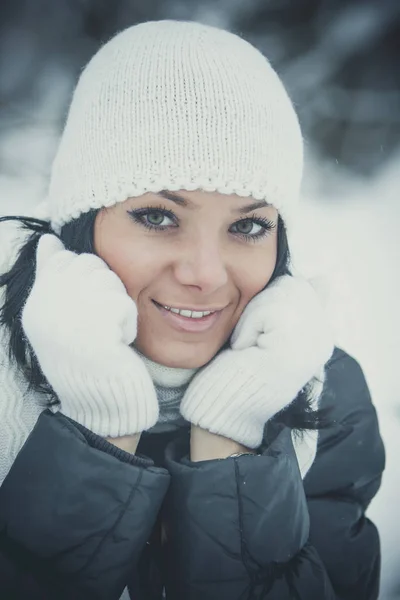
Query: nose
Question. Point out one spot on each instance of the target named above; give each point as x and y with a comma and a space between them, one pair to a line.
201, 264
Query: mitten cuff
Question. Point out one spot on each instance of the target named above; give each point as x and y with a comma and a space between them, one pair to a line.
112, 407
237, 393
225, 399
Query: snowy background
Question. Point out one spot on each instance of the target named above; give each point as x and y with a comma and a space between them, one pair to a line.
340, 62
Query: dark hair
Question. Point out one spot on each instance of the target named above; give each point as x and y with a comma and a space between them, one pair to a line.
78, 236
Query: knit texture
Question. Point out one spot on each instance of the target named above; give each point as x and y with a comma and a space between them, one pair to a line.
170, 385
81, 322
19, 407
281, 341
180, 106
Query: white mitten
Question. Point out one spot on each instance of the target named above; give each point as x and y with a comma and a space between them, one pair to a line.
80, 323
280, 342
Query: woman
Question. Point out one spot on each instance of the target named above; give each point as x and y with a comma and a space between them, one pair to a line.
186, 370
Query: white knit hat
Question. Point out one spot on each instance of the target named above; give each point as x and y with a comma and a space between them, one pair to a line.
176, 105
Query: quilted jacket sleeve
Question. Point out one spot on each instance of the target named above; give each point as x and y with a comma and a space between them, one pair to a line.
75, 513
250, 528
342, 482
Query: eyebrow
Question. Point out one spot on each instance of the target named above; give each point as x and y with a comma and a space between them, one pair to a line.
181, 201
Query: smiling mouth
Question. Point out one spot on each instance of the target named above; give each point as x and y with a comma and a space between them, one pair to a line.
195, 322
190, 313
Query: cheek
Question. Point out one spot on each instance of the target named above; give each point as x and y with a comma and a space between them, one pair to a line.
124, 254
252, 277
136, 269
255, 280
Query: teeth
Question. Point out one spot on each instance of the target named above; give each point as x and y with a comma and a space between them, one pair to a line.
199, 315
192, 314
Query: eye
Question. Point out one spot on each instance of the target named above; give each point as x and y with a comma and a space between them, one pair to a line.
156, 218
253, 229
246, 227
153, 218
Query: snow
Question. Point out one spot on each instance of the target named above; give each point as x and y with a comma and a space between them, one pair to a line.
351, 234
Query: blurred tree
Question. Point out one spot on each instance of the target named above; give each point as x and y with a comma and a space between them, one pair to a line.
339, 59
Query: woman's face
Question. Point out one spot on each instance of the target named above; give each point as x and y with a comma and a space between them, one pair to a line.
199, 251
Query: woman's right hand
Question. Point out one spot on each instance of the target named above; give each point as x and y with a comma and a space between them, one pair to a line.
80, 322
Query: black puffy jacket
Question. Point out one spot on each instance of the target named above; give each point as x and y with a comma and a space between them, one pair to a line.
80, 519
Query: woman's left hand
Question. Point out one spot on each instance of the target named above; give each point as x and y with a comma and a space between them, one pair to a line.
205, 445
281, 341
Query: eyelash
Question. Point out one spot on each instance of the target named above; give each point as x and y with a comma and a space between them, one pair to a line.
139, 215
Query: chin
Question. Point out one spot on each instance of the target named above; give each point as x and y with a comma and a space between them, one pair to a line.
182, 362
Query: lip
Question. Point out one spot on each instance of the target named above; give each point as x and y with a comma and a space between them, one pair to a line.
181, 323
